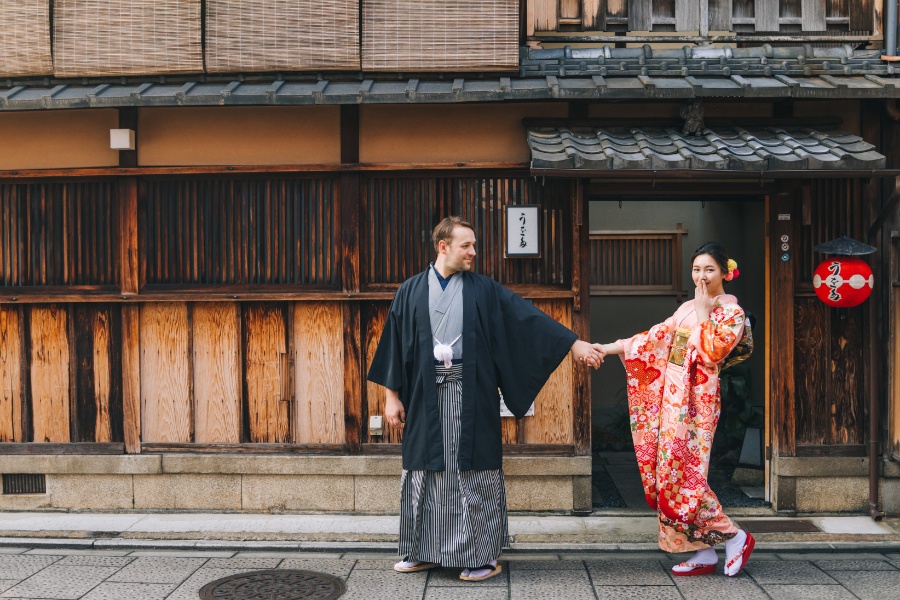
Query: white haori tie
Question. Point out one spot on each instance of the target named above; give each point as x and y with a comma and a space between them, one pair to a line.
444, 352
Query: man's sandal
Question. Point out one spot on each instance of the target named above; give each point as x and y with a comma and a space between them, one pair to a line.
494, 570
744, 555
696, 569
412, 566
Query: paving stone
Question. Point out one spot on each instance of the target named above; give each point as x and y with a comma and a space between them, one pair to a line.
20, 566
5, 584
381, 564
371, 556
640, 592
184, 553
855, 565
131, 591
338, 568
77, 552
628, 572
283, 555
449, 593
807, 592
250, 564
793, 572
158, 569
817, 556
190, 587
61, 582
449, 577
557, 565
13, 550
384, 585
719, 586
513, 557
571, 585
81, 560
870, 585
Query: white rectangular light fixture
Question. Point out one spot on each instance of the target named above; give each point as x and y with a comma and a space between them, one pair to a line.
121, 139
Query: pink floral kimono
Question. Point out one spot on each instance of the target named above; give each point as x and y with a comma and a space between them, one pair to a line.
674, 402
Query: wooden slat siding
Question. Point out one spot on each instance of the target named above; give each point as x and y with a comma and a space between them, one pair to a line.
238, 232
57, 234
165, 372
373, 316
846, 381
861, 15
783, 402
267, 373
98, 373
813, 15
10, 375
720, 12
131, 378
569, 9
687, 15
811, 353
50, 373
635, 263
640, 15
216, 345
581, 320
319, 344
552, 420
593, 15
398, 215
767, 13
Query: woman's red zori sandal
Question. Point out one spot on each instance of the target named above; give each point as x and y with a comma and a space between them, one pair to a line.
744, 555
696, 569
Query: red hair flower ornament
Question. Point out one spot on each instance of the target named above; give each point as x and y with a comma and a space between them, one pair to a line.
732, 270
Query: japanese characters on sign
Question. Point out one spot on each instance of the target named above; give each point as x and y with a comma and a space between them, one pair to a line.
523, 231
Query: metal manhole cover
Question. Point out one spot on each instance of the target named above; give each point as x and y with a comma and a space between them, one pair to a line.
780, 526
275, 584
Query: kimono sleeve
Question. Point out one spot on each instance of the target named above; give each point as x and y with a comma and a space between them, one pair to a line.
716, 337
645, 357
528, 346
388, 364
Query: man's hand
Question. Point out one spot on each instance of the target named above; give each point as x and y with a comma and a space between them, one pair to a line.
393, 409
587, 354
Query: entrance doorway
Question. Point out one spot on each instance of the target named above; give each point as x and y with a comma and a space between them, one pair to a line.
636, 248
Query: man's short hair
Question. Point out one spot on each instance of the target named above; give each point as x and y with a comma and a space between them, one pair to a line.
444, 230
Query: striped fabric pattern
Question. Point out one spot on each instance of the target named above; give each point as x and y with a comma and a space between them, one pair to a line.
452, 517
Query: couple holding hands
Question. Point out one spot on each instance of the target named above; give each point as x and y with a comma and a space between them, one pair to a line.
453, 337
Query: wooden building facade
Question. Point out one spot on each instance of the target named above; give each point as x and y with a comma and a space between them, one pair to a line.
187, 324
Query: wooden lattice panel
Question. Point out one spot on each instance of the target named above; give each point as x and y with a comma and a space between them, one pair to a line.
281, 35
440, 35
126, 37
25, 38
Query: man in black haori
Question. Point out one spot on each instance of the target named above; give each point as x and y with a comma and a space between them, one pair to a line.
451, 339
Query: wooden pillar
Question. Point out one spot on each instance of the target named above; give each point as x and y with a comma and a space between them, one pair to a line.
131, 377
783, 230
349, 210
581, 319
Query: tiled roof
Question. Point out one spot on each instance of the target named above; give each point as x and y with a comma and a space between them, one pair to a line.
719, 149
565, 73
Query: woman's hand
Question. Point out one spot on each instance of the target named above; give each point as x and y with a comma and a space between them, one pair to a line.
704, 303
587, 354
393, 409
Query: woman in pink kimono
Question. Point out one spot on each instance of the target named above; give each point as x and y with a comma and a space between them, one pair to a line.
674, 402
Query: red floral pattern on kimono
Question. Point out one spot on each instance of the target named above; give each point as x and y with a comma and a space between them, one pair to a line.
674, 410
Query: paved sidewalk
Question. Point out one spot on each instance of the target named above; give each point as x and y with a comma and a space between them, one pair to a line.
75, 574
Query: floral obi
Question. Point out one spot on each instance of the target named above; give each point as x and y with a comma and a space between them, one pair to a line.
679, 346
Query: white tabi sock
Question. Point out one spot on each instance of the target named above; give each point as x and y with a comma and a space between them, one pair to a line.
732, 547
479, 572
707, 556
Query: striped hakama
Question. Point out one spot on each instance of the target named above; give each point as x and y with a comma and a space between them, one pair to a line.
452, 517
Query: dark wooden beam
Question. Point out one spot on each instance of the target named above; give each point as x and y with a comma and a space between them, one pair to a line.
316, 449
63, 449
581, 319
783, 215
131, 378
128, 119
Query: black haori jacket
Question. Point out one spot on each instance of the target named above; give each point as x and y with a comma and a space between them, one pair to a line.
508, 344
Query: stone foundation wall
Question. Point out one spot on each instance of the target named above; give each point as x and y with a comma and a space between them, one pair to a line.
832, 485
345, 484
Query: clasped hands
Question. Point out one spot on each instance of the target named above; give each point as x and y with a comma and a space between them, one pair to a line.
589, 354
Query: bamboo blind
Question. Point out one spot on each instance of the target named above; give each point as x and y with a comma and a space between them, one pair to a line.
440, 35
25, 38
126, 37
281, 35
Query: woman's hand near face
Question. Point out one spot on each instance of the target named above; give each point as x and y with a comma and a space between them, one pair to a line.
704, 303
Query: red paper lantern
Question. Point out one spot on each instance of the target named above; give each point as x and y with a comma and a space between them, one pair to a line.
843, 281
